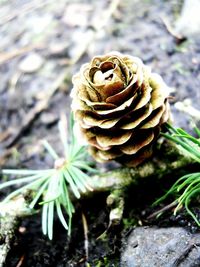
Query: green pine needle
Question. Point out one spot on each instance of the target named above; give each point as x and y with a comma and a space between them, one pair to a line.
51, 188
187, 187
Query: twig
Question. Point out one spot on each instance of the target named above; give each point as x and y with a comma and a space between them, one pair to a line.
85, 230
27, 8
5, 56
27, 121
15, 80
5, 134
179, 38
34, 112
21, 261
169, 206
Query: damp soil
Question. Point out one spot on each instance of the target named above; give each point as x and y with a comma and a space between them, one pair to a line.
36, 250
50, 31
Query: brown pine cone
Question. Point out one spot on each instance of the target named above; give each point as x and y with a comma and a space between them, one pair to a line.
119, 105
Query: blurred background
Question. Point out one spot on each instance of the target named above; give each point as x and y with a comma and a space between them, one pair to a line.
43, 43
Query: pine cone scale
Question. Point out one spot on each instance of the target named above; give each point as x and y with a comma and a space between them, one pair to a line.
137, 117
144, 138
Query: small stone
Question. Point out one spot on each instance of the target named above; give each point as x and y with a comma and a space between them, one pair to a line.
48, 118
22, 229
31, 63
156, 247
59, 50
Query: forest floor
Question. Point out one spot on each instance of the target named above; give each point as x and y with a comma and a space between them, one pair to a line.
57, 37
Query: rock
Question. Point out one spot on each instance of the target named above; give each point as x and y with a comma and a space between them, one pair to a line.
59, 49
166, 247
48, 118
31, 63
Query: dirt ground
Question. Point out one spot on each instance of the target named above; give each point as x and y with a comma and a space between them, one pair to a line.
57, 37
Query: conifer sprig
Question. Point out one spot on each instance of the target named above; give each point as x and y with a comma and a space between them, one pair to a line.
52, 188
187, 187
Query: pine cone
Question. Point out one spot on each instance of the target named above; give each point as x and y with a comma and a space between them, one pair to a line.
119, 105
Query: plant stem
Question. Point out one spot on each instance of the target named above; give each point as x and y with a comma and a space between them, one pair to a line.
164, 164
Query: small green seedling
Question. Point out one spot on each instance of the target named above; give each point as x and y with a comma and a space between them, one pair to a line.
51, 188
